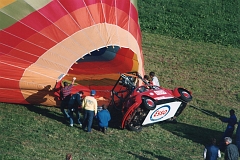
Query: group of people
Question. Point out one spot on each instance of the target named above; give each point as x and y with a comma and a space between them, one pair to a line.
151, 79
91, 110
89, 106
231, 151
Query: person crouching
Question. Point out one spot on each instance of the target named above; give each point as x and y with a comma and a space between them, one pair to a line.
103, 118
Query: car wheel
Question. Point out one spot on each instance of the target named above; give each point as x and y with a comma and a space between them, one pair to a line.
183, 94
148, 103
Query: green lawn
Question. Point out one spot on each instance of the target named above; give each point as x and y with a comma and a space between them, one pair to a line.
214, 21
209, 71
183, 50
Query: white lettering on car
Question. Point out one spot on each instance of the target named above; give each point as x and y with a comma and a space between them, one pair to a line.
160, 92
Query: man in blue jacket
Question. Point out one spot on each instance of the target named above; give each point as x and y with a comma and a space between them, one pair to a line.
74, 102
212, 152
231, 121
103, 118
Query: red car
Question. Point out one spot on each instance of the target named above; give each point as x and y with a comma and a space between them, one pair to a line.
146, 104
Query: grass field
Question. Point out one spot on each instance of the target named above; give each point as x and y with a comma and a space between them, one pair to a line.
215, 21
209, 70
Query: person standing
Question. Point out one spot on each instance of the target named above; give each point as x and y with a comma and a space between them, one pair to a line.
238, 136
231, 151
155, 81
211, 152
103, 118
65, 95
89, 106
147, 79
232, 120
74, 102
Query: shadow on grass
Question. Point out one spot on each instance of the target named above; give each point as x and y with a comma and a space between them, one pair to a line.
44, 111
207, 112
115, 121
194, 133
147, 152
116, 118
157, 156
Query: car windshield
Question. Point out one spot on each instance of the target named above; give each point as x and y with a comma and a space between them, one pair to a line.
126, 84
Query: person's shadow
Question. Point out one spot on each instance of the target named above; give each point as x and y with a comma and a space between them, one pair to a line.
40, 96
207, 112
196, 134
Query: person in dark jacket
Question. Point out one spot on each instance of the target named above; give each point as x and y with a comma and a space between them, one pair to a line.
103, 118
238, 136
74, 103
231, 151
211, 152
231, 121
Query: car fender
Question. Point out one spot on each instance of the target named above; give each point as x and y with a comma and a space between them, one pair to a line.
130, 110
128, 114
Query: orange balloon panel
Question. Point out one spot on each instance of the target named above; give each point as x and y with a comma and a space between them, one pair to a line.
45, 42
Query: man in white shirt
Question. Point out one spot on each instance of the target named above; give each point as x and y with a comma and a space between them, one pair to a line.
154, 79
